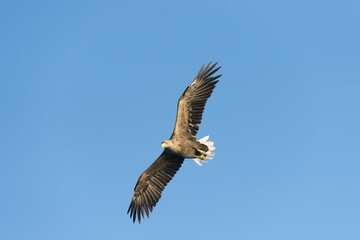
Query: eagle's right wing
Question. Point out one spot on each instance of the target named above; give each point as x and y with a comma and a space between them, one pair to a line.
151, 183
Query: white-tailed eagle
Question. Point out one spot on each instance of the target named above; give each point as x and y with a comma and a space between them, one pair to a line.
182, 144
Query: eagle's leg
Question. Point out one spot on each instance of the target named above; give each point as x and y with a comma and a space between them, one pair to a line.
204, 151
202, 155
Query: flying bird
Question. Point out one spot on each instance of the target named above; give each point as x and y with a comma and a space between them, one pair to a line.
182, 144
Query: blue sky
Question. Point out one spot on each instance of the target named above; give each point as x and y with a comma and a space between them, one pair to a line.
88, 91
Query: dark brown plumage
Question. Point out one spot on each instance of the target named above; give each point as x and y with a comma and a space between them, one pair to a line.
182, 144
151, 183
192, 102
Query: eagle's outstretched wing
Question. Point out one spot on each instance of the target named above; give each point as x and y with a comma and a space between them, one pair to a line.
192, 102
151, 183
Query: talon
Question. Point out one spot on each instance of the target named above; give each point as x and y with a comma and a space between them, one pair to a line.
203, 154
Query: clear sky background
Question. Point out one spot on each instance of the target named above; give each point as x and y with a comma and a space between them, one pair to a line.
88, 91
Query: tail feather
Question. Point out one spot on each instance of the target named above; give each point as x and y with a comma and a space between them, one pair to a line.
209, 154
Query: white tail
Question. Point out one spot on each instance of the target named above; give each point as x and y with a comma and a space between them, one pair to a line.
209, 154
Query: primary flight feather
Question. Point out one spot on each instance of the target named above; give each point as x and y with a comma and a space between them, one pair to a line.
182, 144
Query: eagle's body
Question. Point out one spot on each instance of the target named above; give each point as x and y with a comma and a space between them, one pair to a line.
186, 148
182, 144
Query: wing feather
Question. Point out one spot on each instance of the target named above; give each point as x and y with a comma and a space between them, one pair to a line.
151, 183
191, 104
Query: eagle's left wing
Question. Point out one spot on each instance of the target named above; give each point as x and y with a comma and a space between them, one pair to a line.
192, 102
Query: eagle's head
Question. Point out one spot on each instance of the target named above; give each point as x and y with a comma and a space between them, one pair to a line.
165, 144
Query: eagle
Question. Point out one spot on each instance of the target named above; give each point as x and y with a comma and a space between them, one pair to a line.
182, 144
